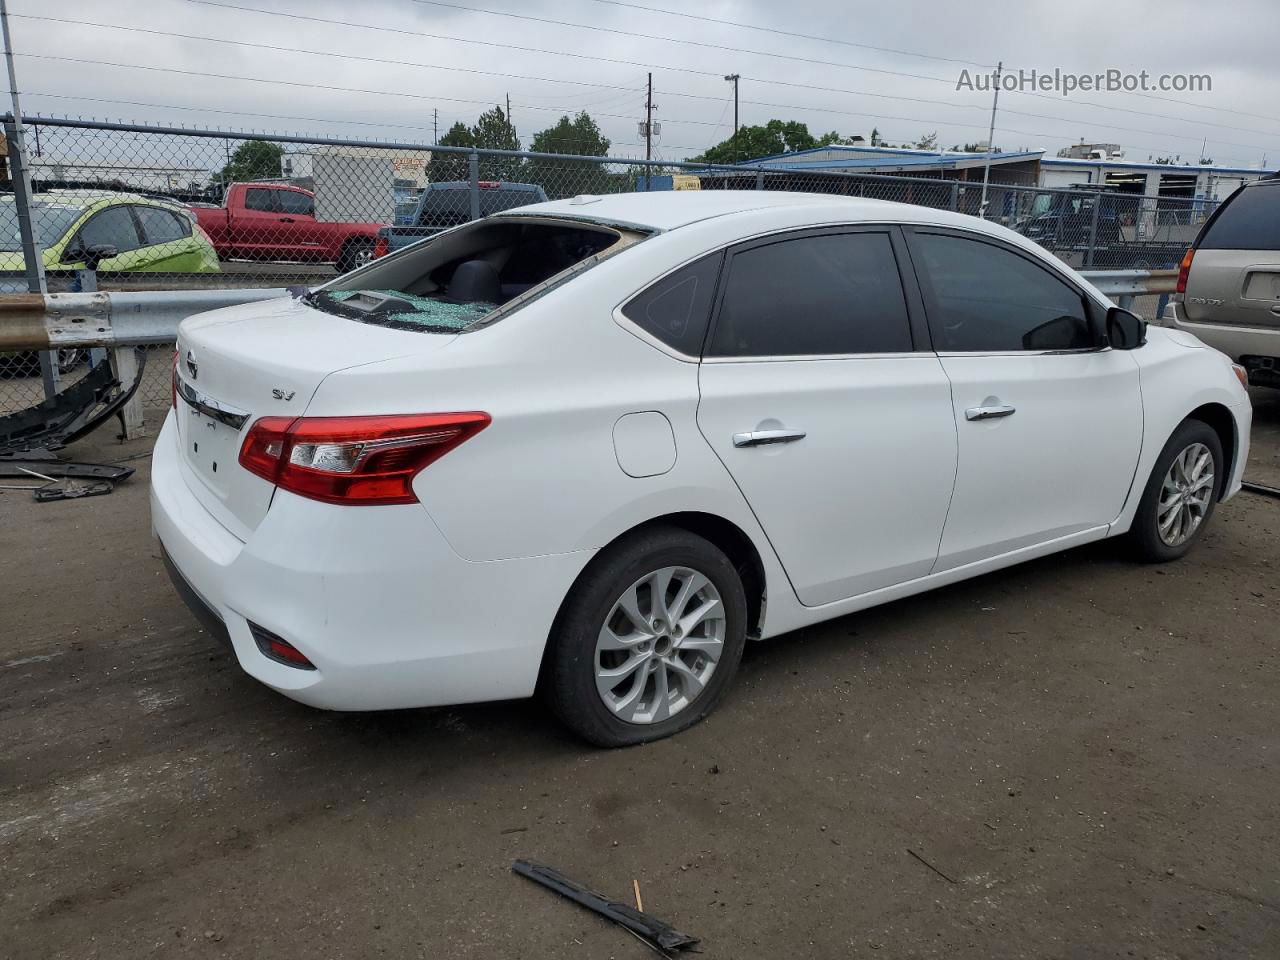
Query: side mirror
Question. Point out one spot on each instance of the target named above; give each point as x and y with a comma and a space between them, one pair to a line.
95, 254
1125, 329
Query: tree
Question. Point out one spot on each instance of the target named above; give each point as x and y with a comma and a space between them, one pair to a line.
752, 143
567, 178
451, 166
493, 131
580, 135
252, 160
875, 138
928, 142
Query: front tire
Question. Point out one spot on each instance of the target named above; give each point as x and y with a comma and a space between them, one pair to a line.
648, 639
1180, 494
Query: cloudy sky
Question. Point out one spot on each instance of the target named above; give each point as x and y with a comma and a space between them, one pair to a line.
382, 69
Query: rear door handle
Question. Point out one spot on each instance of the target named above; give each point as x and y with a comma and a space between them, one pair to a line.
992, 412
286, 219
760, 437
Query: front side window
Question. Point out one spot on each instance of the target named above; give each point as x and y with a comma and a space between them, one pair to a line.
112, 227
295, 202
818, 296
988, 299
259, 200
677, 308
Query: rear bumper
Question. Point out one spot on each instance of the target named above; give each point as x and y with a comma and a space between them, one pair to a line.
1235, 341
373, 596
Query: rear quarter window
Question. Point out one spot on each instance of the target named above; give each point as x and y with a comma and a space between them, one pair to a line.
1249, 220
677, 309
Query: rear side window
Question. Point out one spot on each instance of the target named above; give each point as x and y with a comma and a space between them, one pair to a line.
292, 201
1248, 220
990, 300
677, 308
259, 200
816, 296
161, 226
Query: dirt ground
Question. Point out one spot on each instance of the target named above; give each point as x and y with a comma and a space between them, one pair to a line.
1085, 751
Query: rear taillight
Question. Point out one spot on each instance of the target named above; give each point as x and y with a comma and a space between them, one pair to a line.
354, 460
1184, 268
381, 246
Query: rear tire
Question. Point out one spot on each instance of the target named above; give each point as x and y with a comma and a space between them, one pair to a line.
617, 678
1180, 494
355, 254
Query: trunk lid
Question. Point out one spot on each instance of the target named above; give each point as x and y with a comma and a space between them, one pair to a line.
263, 359
1234, 287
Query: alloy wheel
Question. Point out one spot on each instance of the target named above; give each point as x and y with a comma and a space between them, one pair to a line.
1185, 495
659, 645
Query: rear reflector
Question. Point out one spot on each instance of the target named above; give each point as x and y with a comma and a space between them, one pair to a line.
381, 246
354, 460
278, 649
1184, 268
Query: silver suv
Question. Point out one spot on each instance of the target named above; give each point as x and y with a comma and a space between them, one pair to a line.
1229, 281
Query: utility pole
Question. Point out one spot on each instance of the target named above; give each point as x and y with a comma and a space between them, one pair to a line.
991, 134
648, 132
734, 78
435, 126
509, 123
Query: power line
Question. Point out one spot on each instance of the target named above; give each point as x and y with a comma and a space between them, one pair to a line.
693, 43
281, 116
790, 33
716, 75
319, 53
628, 91
926, 56
431, 98
807, 60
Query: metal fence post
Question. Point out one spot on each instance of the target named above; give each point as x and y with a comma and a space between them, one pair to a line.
1093, 231
124, 360
473, 168
955, 196
32, 252
759, 179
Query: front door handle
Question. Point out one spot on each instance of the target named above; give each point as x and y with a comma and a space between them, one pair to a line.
991, 412
759, 437
286, 220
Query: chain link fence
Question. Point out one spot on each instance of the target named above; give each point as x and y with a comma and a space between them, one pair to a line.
128, 207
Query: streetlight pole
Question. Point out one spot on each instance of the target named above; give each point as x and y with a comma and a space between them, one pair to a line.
734, 78
991, 134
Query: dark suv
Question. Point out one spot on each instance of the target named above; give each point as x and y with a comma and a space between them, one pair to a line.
449, 203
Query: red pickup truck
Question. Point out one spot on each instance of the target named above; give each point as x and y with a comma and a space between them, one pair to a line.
268, 221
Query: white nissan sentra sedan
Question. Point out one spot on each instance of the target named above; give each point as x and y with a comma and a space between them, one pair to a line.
591, 446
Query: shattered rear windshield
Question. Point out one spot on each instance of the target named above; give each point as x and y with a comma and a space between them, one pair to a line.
400, 310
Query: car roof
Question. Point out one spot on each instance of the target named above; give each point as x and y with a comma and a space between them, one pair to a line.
87, 198
670, 209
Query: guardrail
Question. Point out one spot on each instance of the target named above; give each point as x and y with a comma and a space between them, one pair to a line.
119, 321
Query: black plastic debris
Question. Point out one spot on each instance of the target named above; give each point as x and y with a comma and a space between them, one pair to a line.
659, 934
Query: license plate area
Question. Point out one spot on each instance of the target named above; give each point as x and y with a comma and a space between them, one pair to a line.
210, 436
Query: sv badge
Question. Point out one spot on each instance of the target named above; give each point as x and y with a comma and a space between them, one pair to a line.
282, 395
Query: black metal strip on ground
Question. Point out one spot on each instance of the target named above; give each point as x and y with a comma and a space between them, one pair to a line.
1262, 488
649, 928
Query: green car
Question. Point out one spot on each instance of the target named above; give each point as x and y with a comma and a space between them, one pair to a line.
122, 232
